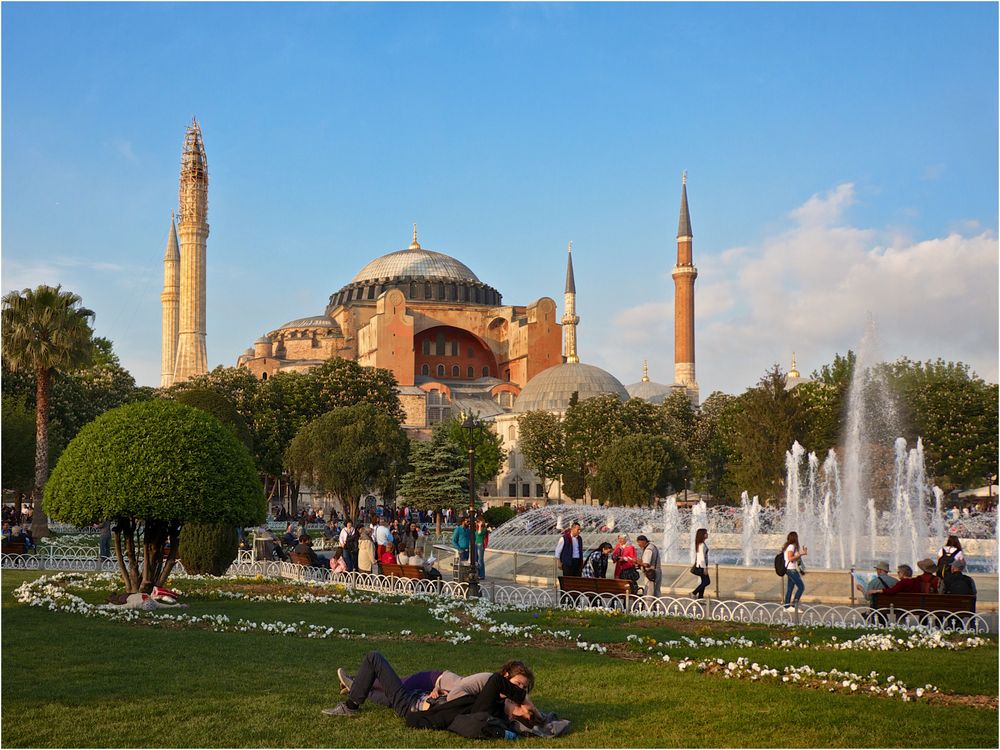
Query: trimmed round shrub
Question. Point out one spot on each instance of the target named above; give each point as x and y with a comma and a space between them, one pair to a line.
208, 548
155, 460
498, 515
220, 407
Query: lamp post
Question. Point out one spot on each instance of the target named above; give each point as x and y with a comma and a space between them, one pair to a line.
685, 485
473, 426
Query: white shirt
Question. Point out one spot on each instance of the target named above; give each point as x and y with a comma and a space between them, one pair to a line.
701, 555
343, 536
959, 555
789, 562
576, 548
382, 535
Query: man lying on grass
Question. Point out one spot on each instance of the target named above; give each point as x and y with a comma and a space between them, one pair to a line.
481, 698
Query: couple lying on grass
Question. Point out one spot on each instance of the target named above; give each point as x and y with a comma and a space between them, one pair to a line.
481, 706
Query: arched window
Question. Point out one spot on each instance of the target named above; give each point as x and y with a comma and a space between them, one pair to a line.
454, 348
456, 371
510, 434
426, 346
486, 372
425, 369
440, 371
472, 373
263, 376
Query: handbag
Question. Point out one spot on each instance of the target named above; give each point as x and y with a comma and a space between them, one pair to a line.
650, 574
695, 570
630, 575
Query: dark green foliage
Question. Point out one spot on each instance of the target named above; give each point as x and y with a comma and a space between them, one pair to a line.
763, 429
711, 449
635, 469
220, 407
155, 460
208, 548
498, 515
439, 477
349, 451
490, 454
542, 443
18, 444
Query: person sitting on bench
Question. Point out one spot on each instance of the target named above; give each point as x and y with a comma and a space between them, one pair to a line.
955, 580
304, 547
906, 584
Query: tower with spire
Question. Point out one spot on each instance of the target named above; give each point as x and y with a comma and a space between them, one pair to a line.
684, 275
570, 319
169, 299
192, 356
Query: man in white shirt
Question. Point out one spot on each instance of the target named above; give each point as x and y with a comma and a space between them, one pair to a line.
569, 551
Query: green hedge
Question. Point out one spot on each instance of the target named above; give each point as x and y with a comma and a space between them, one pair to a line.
208, 548
155, 460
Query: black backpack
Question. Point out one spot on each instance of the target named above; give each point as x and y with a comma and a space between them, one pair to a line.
481, 725
779, 563
944, 564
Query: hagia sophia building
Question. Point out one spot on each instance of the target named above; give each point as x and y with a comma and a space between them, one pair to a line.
451, 342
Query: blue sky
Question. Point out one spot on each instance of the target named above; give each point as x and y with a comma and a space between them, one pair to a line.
842, 162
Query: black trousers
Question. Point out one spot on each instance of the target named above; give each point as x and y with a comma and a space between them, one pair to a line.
396, 695
573, 568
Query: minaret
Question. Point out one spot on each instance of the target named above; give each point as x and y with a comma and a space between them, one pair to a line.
192, 357
570, 320
684, 275
169, 299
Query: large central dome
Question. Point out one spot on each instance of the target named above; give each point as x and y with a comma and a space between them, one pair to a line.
415, 262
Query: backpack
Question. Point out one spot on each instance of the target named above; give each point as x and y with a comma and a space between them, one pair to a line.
779, 564
944, 564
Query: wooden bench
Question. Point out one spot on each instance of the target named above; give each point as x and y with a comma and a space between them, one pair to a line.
924, 602
298, 558
12, 547
594, 589
403, 571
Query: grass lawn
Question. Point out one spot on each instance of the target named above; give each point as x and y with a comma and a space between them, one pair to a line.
74, 681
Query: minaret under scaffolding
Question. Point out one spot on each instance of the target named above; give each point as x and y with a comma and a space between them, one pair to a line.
684, 275
192, 356
169, 299
570, 319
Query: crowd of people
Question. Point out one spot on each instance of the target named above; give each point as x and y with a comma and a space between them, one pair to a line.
631, 564
945, 576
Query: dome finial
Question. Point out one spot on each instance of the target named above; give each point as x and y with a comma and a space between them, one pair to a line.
645, 372
414, 245
793, 373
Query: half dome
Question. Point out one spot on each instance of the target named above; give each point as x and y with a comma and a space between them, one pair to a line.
415, 262
551, 389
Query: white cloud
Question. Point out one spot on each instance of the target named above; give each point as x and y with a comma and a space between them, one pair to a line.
810, 289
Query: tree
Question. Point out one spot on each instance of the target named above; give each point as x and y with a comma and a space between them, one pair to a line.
488, 445
18, 445
763, 430
151, 467
220, 407
45, 331
542, 443
636, 469
956, 414
590, 426
822, 402
438, 477
348, 451
711, 449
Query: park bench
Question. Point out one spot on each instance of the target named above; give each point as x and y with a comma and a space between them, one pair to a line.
13, 547
594, 589
403, 571
298, 558
894, 606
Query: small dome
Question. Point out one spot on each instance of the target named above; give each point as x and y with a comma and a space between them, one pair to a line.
263, 340
415, 261
249, 352
647, 390
551, 389
317, 321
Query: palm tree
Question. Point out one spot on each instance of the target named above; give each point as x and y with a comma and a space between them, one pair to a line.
44, 331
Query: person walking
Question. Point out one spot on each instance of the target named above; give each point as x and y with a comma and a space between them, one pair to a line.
793, 555
650, 564
700, 567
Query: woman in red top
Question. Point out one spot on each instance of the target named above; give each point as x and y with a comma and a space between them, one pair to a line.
624, 557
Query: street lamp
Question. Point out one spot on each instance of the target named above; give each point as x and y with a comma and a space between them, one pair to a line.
685, 485
474, 426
